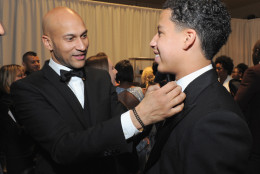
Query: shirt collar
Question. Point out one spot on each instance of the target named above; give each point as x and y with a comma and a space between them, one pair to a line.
186, 80
57, 67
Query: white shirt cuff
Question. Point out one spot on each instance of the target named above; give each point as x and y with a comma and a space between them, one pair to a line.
127, 125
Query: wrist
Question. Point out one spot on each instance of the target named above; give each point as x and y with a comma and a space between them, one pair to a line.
135, 121
138, 119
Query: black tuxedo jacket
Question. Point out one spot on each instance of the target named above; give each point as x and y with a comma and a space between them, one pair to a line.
17, 147
211, 138
71, 139
248, 98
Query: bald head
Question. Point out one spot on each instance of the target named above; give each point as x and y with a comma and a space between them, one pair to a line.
56, 18
65, 36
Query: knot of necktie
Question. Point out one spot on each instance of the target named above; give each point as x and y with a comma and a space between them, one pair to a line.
66, 75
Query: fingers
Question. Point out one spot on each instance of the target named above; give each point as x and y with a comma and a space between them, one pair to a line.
175, 110
168, 87
178, 99
153, 88
176, 104
174, 92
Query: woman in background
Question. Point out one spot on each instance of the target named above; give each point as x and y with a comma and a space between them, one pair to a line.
16, 146
101, 61
128, 94
147, 77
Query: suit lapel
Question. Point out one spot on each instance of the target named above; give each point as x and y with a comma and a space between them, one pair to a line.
65, 92
192, 91
90, 96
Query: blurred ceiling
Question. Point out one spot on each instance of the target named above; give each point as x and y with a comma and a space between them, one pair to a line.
231, 4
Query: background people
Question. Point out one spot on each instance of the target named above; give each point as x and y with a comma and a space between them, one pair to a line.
248, 96
237, 75
15, 144
147, 77
128, 94
224, 67
101, 61
238, 71
31, 62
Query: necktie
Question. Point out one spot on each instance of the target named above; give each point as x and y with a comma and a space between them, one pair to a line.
66, 75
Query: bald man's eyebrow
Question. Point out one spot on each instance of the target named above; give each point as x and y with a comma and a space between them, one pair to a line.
84, 33
71, 36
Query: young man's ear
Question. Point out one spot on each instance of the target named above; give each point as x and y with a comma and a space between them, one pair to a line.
190, 38
47, 42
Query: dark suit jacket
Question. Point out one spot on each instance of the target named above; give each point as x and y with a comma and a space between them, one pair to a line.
211, 138
17, 147
248, 98
71, 139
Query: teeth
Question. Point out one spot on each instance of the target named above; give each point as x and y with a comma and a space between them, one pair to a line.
156, 55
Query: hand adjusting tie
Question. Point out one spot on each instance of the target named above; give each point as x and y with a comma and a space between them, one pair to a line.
65, 76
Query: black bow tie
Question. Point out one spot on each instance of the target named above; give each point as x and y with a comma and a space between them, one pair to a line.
66, 75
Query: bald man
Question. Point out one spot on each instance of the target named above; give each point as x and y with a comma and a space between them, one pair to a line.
77, 121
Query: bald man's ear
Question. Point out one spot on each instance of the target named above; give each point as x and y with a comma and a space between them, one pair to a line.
189, 39
47, 42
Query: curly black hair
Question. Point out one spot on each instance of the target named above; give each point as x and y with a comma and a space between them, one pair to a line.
226, 62
242, 68
209, 18
125, 71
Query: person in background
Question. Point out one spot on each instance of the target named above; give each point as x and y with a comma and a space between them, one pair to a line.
101, 61
16, 145
161, 78
210, 134
147, 77
237, 75
248, 97
238, 71
224, 66
72, 112
31, 62
128, 94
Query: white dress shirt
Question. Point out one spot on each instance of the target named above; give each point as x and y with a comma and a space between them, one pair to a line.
76, 84
226, 83
186, 80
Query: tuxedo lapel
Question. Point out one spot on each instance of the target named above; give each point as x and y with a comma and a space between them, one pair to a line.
192, 91
164, 133
65, 92
91, 90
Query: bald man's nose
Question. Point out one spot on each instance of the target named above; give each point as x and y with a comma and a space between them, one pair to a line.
2, 31
82, 44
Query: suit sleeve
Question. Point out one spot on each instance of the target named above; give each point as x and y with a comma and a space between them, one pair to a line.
62, 141
218, 143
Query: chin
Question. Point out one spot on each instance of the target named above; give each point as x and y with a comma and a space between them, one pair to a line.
78, 65
161, 69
